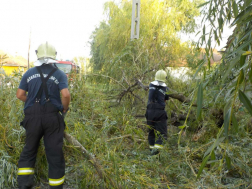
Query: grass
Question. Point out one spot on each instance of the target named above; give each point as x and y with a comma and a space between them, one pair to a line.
118, 140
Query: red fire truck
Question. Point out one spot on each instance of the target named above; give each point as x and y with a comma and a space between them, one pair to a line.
67, 66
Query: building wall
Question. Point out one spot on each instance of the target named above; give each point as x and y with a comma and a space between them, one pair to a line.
10, 69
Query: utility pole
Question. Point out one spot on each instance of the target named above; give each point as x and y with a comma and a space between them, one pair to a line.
29, 50
135, 20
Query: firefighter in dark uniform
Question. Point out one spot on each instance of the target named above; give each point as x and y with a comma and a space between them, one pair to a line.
44, 110
156, 115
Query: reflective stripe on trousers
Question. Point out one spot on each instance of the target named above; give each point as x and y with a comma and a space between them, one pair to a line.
158, 146
26, 171
56, 182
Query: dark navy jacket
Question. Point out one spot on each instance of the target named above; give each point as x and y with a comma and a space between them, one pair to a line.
157, 93
31, 83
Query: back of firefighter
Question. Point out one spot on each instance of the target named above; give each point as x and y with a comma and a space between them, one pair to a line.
40, 89
155, 114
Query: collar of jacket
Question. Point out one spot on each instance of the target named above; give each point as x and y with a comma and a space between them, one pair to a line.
158, 83
41, 61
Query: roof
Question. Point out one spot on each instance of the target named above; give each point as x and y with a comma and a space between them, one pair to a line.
12, 60
217, 56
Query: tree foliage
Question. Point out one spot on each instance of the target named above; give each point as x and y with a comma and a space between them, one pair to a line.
234, 73
160, 21
231, 80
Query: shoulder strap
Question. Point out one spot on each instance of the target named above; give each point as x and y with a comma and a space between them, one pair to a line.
155, 96
43, 85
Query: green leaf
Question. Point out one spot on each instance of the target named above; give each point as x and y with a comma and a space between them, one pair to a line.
246, 102
245, 13
241, 77
215, 35
203, 4
212, 161
217, 96
205, 84
204, 73
209, 42
202, 63
182, 127
244, 45
199, 101
228, 162
247, 34
234, 124
213, 146
248, 2
242, 60
202, 166
250, 74
213, 158
235, 9
220, 21
227, 107
229, 93
248, 19
228, 12
226, 122
232, 64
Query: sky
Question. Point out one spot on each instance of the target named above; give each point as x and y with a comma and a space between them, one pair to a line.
227, 31
66, 24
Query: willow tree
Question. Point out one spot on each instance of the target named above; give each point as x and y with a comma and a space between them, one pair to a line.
232, 79
112, 51
234, 75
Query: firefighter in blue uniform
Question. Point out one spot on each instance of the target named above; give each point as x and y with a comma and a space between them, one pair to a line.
48, 95
155, 114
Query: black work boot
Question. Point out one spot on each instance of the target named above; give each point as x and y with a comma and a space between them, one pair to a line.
25, 187
154, 151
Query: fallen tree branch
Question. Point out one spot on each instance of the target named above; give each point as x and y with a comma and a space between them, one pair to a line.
4, 137
142, 85
90, 159
129, 90
181, 98
125, 136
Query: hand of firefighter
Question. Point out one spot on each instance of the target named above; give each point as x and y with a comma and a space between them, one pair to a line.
64, 113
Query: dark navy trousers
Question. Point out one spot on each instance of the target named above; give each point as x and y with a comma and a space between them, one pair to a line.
156, 118
42, 121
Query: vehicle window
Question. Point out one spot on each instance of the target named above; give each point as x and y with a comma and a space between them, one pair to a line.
64, 67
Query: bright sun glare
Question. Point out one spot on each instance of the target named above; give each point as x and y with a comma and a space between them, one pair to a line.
65, 24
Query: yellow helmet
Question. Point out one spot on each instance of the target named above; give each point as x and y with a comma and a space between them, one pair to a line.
161, 75
45, 50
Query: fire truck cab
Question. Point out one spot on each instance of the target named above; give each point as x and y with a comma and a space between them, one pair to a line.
67, 66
